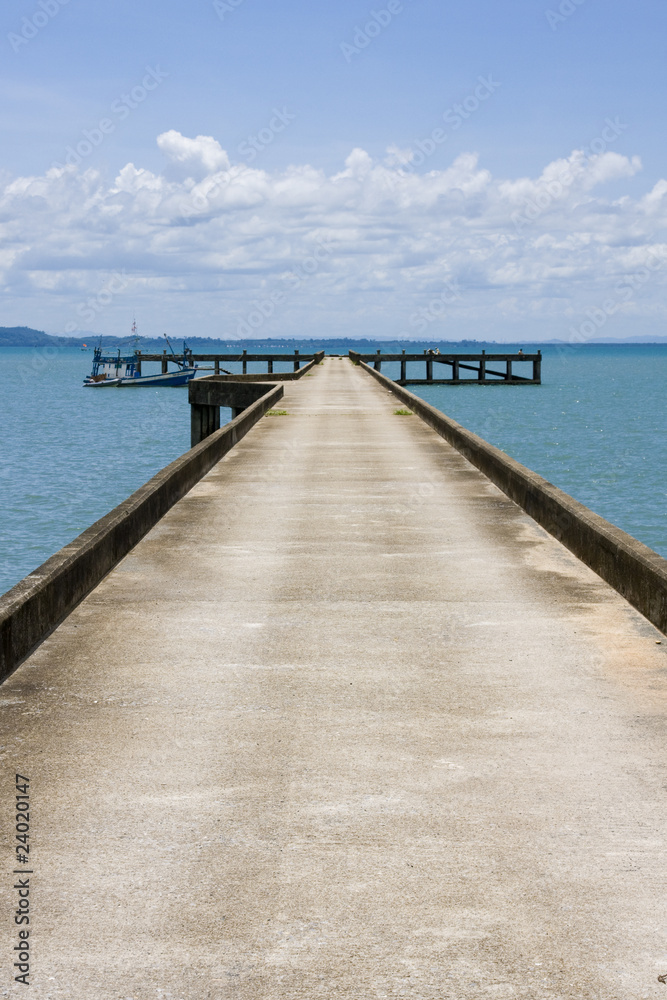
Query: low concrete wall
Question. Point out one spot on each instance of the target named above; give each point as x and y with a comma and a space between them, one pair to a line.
218, 391
630, 567
264, 377
39, 602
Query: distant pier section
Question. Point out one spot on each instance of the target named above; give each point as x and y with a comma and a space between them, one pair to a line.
454, 364
296, 359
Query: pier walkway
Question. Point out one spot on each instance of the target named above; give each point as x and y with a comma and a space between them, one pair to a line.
345, 724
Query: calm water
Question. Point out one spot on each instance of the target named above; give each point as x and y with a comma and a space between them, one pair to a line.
70, 454
596, 428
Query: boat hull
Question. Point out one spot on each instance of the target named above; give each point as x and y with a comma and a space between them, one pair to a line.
168, 379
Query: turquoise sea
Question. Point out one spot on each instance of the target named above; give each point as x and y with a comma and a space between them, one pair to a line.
597, 428
70, 454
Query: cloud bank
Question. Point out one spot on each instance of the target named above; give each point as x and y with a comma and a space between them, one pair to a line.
378, 249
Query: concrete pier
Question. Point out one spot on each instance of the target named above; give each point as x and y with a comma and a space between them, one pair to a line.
345, 724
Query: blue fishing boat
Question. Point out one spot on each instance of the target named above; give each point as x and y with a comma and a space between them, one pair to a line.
118, 371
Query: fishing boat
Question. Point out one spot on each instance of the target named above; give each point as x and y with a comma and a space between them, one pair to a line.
118, 371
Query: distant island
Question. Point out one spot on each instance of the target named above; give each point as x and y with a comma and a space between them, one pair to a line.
24, 336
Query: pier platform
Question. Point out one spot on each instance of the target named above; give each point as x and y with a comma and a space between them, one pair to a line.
346, 724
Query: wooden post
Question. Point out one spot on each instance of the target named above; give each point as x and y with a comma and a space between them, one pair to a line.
270, 366
404, 373
245, 362
165, 368
429, 368
455, 371
537, 368
217, 366
296, 361
508, 376
482, 368
378, 362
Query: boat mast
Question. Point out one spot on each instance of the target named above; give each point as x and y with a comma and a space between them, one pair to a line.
136, 370
180, 364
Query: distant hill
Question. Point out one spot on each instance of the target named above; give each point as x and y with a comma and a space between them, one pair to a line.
23, 336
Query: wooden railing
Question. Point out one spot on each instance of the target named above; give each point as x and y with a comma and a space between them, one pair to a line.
296, 359
459, 363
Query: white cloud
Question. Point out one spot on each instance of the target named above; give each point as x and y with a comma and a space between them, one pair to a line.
196, 157
207, 242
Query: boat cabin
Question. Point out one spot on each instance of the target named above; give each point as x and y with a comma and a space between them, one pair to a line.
109, 366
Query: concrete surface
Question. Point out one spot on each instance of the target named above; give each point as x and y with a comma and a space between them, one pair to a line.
40, 601
345, 724
637, 572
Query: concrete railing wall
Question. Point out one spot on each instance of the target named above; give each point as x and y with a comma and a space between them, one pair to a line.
270, 377
39, 602
629, 566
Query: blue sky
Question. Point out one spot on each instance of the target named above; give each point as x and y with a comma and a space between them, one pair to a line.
312, 83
